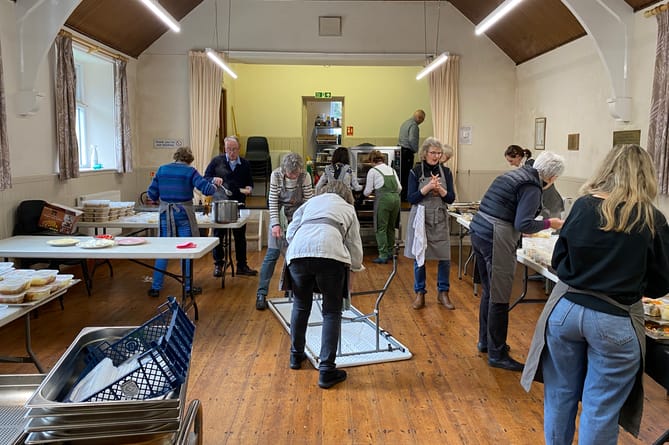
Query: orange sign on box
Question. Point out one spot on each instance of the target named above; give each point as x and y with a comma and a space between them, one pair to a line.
349, 130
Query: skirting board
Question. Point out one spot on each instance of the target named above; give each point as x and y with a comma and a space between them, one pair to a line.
358, 344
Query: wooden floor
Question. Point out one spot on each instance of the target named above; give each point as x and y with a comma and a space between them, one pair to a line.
446, 394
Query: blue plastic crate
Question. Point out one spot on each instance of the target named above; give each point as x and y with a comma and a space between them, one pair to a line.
162, 347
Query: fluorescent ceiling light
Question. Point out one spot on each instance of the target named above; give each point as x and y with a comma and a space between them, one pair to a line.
213, 55
432, 65
162, 14
497, 14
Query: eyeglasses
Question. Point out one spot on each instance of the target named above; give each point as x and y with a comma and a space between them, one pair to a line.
231, 148
434, 153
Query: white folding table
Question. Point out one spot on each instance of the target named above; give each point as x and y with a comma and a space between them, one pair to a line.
15, 311
153, 248
150, 221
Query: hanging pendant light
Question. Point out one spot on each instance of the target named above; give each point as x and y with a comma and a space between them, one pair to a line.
436, 63
494, 16
213, 55
162, 14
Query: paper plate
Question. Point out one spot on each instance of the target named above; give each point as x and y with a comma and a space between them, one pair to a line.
96, 243
63, 242
130, 241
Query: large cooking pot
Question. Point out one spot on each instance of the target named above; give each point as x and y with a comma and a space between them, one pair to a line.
225, 211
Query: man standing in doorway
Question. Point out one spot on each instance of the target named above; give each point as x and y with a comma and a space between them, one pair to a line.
408, 140
232, 174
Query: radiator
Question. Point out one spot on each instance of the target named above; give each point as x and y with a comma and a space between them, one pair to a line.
112, 195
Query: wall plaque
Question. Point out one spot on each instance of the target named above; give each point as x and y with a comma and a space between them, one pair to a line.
627, 137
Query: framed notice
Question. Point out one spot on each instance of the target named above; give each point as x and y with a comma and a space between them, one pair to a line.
540, 133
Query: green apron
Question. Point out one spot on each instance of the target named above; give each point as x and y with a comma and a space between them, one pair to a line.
386, 210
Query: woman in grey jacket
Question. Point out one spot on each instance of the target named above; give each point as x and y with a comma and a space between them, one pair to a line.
323, 244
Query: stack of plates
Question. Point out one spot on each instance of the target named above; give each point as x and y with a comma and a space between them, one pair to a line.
113, 422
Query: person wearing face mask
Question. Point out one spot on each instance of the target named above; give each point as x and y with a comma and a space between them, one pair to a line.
232, 174
427, 236
508, 208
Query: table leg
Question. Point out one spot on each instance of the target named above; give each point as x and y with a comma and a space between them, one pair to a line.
185, 294
460, 236
31, 357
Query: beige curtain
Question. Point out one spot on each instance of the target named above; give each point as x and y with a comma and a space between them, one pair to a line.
206, 80
66, 110
444, 102
122, 139
5, 170
658, 127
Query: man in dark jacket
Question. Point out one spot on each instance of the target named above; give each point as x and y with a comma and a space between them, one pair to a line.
232, 174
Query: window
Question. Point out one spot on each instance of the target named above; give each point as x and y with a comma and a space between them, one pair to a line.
95, 110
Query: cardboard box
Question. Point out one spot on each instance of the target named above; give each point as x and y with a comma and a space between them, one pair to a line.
59, 218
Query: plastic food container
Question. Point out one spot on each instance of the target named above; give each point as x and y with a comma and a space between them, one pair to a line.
13, 286
12, 298
35, 293
43, 276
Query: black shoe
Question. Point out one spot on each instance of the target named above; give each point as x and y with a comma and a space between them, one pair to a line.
296, 360
506, 363
155, 293
194, 290
246, 270
484, 348
218, 271
328, 379
380, 260
261, 305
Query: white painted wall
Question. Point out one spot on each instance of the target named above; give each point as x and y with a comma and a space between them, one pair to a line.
487, 88
569, 87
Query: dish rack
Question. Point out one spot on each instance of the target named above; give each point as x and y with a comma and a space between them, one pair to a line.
162, 348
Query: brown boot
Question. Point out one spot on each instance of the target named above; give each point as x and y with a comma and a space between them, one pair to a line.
442, 298
419, 302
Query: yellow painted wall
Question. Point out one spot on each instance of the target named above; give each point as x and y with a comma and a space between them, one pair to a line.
267, 99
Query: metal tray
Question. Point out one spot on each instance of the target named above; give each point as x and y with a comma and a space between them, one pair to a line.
103, 437
65, 373
14, 391
153, 419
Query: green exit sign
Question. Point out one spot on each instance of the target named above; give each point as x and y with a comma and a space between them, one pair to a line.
322, 94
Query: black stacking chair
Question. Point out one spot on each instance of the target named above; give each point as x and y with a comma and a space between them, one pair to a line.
27, 216
257, 153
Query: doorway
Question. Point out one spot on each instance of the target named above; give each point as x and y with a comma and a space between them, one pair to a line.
322, 123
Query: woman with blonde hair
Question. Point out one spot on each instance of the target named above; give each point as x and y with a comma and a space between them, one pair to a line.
589, 341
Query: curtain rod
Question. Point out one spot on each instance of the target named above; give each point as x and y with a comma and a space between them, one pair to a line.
91, 47
656, 10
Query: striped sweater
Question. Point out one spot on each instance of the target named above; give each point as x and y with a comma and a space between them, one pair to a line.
175, 182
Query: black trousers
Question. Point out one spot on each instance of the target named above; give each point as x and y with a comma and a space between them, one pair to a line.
406, 165
240, 246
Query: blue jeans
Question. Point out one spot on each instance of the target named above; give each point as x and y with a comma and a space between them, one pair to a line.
329, 276
593, 357
443, 280
267, 270
183, 229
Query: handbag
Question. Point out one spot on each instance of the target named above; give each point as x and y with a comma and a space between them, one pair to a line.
286, 281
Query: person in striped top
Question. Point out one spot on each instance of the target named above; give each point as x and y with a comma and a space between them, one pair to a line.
289, 187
